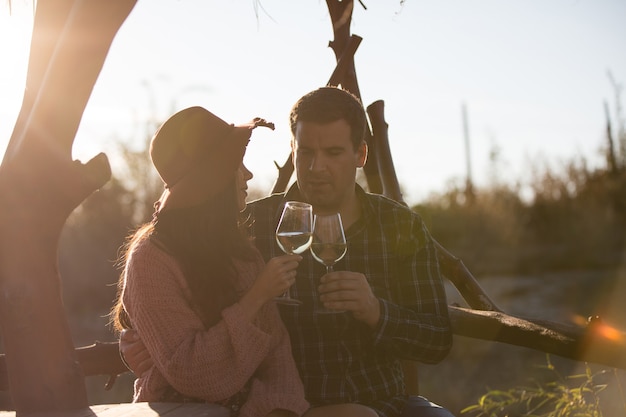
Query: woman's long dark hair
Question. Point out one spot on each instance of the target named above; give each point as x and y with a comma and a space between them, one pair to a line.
204, 240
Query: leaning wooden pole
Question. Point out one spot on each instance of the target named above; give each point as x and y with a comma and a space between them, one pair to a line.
40, 186
344, 45
381, 157
610, 153
341, 17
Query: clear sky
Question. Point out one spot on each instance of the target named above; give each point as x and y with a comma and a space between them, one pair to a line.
532, 73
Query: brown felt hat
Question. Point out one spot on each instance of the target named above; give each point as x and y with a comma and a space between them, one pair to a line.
196, 155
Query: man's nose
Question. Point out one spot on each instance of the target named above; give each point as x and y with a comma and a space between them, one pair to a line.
317, 163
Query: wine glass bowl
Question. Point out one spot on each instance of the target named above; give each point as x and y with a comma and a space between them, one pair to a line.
293, 235
293, 242
328, 245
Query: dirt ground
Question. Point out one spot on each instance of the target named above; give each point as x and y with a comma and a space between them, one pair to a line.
475, 366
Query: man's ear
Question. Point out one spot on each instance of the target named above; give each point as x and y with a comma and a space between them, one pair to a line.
362, 154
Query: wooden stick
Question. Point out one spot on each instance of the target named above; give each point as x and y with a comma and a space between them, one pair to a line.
381, 153
284, 175
345, 62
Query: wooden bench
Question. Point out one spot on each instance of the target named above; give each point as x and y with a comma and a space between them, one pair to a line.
136, 410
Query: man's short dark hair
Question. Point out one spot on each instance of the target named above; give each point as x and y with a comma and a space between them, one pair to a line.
327, 105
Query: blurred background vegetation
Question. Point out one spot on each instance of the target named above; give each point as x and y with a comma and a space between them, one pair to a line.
564, 229
575, 219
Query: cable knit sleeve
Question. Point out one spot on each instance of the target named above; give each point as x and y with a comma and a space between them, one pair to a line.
277, 384
212, 364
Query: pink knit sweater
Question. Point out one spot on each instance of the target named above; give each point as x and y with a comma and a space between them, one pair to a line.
214, 364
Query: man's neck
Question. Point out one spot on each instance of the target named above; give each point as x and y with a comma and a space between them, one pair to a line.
351, 214
350, 210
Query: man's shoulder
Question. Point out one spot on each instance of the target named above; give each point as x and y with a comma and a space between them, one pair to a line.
263, 213
381, 199
382, 205
397, 223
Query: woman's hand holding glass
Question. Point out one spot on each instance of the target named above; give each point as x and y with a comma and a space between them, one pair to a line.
278, 275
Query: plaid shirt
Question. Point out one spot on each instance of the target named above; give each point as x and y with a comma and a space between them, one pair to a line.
339, 358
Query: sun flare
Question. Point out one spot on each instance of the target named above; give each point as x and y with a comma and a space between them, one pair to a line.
15, 34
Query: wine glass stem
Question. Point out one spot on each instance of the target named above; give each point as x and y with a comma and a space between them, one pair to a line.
287, 294
329, 269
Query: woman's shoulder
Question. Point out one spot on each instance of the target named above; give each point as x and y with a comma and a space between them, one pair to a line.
148, 247
149, 254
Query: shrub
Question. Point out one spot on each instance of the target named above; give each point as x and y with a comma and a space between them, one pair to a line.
554, 396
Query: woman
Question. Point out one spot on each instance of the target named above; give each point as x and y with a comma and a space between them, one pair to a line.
196, 290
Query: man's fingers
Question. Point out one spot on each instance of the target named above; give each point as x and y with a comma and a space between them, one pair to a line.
339, 296
129, 335
134, 349
143, 367
339, 306
339, 285
142, 355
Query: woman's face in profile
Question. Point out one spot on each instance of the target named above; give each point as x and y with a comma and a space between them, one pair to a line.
241, 183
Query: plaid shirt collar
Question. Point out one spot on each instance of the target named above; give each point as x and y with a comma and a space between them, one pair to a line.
367, 208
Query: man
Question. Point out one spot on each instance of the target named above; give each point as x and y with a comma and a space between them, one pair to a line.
388, 282
387, 290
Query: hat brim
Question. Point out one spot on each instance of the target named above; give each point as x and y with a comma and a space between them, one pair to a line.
210, 176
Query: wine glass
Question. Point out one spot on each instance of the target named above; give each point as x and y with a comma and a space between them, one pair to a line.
293, 235
328, 245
